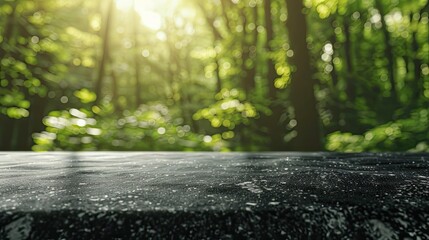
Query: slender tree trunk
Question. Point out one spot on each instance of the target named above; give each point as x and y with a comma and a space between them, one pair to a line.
9, 26
137, 56
7, 125
105, 51
388, 52
407, 54
23, 140
225, 4
249, 54
218, 77
187, 98
302, 85
253, 54
37, 113
271, 73
417, 83
336, 103
417, 62
245, 54
359, 29
276, 130
217, 36
115, 90
173, 64
333, 40
350, 84
7, 129
38, 104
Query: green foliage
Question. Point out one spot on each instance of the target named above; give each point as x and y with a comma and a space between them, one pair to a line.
411, 134
149, 128
85, 96
13, 104
229, 111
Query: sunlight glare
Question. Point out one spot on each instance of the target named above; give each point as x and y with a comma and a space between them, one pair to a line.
151, 20
151, 12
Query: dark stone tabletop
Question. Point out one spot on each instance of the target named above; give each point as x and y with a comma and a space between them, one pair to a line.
107, 195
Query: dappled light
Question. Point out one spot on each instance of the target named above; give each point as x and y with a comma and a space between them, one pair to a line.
214, 75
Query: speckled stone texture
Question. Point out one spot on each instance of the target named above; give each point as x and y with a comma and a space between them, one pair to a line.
213, 196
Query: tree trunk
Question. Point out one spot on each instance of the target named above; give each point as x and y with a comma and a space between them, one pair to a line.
251, 73
388, 52
245, 55
173, 67
23, 136
105, 51
334, 73
115, 90
336, 102
417, 62
217, 36
7, 130
350, 84
225, 4
7, 124
218, 77
37, 113
276, 130
137, 56
417, 71
302, 84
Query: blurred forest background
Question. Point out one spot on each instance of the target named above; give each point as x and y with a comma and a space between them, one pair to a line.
214, 75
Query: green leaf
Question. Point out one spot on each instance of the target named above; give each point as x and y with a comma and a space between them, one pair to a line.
85, 95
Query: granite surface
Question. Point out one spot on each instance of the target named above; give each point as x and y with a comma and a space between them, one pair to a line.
100, 195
